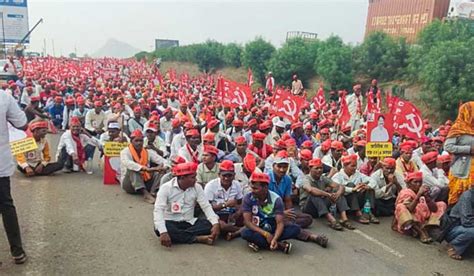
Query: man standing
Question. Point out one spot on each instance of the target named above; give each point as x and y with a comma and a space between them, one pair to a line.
354, 104
296, 86
10, 113
270, 84
173, 214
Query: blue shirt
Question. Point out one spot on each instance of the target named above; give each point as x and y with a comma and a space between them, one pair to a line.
303, 138
283, 189
263, 215
56, 114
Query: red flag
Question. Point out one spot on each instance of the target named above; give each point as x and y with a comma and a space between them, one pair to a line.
287, 105
319, 100
249, 77
388, 99
379, 100
343, 116
371, 106
407, 119
234, 94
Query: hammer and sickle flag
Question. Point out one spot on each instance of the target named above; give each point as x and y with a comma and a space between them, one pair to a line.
407, 119
287, 105
234, 94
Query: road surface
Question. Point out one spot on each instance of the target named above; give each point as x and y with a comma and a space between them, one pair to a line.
72, 224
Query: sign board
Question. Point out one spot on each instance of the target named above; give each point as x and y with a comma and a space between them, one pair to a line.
112, 149
111, 170
13, 21
379, 135
23, 145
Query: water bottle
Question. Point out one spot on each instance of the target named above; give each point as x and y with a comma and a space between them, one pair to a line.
333, 209
366, 209
89, 166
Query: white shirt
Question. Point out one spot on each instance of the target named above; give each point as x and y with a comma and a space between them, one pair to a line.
432, 180
9, 112
127, 162
242, 178
183, 152
71, 147
216, 194
342, 178
170, 195
379, 185
178, 141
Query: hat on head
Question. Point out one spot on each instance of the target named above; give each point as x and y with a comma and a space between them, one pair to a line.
281, 158
337, 145
212, 123
414, 176
211, 150
361, 143
113, 125
290, 142
209, 137
185, 169
260, 177
445, 158
192, 132
238, 123
280, 123
306, 154
251, 122
296, 125
265, 125
152, 127
307, 144
316, 162
429, 157
326, 145
175, 123
389, 162
58, 99
70, 101
324, 131
137, 109
35, 99
250, 162
38, 124
74, 121
227, 166
240, 140
280, 144
97, 104
258, 136
178, 160
136, 134
349, 159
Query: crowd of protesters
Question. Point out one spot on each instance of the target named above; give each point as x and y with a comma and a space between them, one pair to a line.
213, 171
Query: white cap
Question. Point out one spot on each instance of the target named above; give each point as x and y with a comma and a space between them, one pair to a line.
281, 124
113, 125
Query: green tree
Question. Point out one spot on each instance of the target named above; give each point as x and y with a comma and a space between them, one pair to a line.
448, 76
209, 56
294, 57
232, 54
256, 55
381, 56
334, 63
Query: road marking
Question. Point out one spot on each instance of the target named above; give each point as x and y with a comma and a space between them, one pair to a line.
379, 243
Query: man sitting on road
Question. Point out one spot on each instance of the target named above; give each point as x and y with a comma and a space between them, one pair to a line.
137, 175
173, 214
319, 192
208, 169
264, 218
37, 162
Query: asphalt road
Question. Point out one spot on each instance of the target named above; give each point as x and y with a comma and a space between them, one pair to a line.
72, 224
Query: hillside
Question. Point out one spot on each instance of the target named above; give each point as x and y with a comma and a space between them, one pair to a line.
115, 48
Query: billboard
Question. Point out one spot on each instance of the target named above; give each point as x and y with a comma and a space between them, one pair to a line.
165, 43
13, 21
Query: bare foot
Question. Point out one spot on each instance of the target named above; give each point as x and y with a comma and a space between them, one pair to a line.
230, 236
205, 240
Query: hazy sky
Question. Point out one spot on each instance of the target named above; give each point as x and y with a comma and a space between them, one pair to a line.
87, 25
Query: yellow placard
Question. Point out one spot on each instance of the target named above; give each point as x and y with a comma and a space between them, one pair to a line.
23, 145
113, 148
378, 149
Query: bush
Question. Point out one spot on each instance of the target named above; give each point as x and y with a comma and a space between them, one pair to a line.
256, 55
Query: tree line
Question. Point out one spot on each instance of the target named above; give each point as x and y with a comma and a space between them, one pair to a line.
441, 61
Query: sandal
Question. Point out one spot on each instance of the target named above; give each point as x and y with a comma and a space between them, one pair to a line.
373, 219
335, 225
426, 240
322, 240
20, 259
452, 253
347, 224
363, 219
253, 246
287, 248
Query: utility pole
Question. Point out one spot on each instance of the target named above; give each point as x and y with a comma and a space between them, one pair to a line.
44, 47
4, 39
52, 42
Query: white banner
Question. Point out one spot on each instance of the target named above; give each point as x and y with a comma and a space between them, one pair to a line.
13, 21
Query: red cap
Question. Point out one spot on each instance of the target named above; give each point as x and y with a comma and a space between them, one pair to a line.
361, 143
348, 159
175, 123
260, 177
290, 142
296, 125
337, 145
429, 157
178, 160
152, 127
414, 176
258, 136
136, 134
35, 99
209, 136
75, 121
250, 162
212, 123
192, 132
238, 123
251, 122
211, 149
38, 124
240, 140
185, 169
227, 166
98, 104
326, 145
265, 125
58, 99
324, 131
307, 144
389, 162
316, 162
446, 158
137, 109
306, 154
280, 144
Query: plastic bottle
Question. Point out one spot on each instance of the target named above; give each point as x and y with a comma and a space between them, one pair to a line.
366, 209
89, 166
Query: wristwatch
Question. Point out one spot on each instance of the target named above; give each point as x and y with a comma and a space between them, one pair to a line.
223, 205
